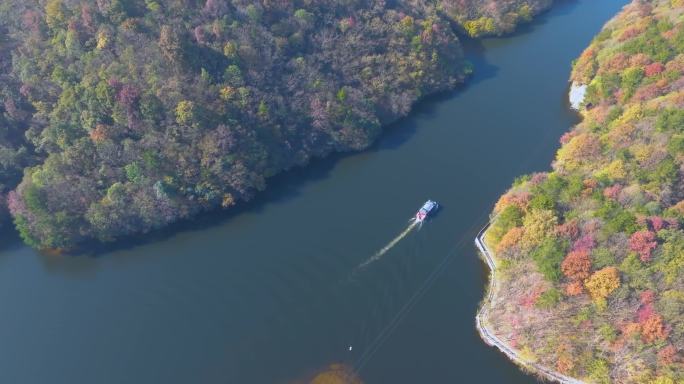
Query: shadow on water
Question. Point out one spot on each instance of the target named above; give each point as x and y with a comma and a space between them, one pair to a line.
9, 239
394, 135
474, 51
289, 184
281, 189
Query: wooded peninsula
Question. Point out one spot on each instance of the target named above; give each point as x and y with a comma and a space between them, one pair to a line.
119, 117
591, 255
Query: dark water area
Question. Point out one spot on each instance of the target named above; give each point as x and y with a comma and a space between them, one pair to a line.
272, 293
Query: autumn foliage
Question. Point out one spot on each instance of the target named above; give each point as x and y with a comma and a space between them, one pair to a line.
603, 282
643, 242
565, 363
654, 69
576, 265
574, 288
131, 115
668, 355
653, 329
510, 239
615, 203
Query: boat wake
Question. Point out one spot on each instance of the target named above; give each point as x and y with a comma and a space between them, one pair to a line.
391, 244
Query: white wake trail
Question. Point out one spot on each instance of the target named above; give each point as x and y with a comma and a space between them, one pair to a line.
390, 245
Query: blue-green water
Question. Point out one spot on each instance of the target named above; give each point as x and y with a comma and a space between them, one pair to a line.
271, 293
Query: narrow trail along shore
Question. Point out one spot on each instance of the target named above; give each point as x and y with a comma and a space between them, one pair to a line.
482, 320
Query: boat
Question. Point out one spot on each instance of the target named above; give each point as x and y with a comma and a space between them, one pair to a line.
426, 210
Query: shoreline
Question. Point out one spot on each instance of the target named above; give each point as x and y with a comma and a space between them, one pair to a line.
488, 335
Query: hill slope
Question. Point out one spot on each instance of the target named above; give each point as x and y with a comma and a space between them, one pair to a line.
593, 251
133, 114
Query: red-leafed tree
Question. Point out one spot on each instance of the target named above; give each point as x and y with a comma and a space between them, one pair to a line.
654, 69
628, 34
657, 223
645, 312
612, 192
128, 95
643, 242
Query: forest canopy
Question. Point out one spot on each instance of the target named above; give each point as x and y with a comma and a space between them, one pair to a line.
593, 251
122, 116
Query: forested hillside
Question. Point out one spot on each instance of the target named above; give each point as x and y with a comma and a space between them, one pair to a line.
121, 116
490, 17
592, 253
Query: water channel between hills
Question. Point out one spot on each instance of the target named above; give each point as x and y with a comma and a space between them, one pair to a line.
272, 293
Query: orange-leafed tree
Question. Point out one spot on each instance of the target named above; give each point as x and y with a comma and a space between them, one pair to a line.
574, 289
653, 329
668, 355
99, 133
565, 364
510, 239
576, 265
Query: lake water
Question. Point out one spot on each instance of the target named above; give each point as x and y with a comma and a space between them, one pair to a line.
271, 293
